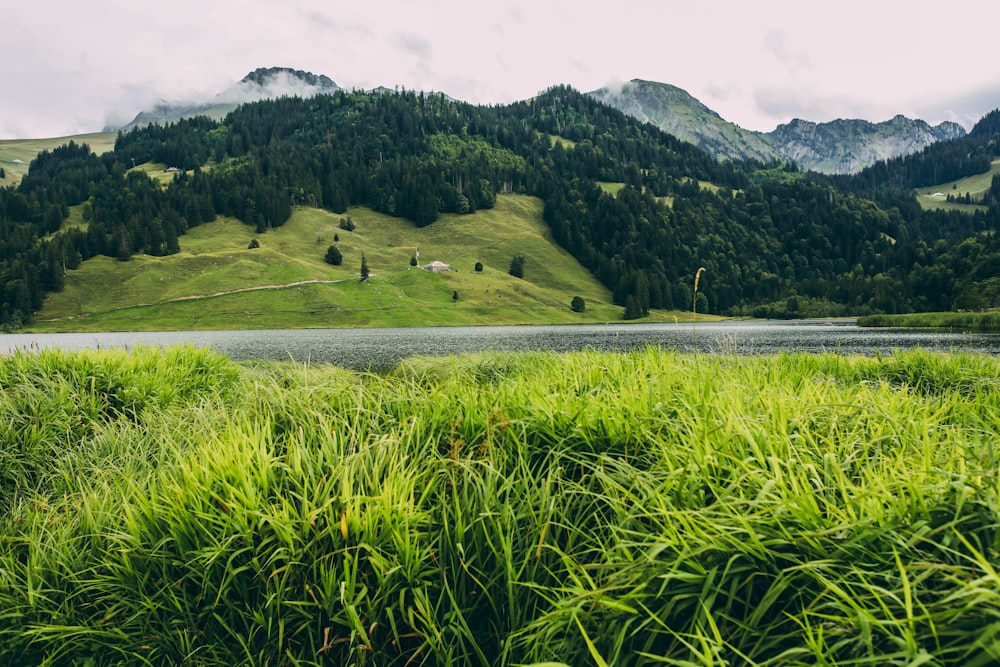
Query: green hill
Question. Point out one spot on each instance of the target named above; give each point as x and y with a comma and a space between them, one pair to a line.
934, 197
17, 154
217, 282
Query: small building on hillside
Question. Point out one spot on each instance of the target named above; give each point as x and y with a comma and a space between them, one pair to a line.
436, 267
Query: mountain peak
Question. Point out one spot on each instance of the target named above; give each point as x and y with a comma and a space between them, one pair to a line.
268, 82
262, 83
837, 146
679, 113
267, 76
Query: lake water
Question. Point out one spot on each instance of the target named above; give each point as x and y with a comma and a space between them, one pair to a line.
383, 348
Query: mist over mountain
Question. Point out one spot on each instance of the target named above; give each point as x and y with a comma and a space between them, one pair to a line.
260, 84
836, 147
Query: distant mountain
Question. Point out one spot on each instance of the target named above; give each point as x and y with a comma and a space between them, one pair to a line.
675, 111
262, 83
836, 147
848, 146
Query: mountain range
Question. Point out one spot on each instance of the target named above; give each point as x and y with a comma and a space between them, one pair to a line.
638, 208
842, 146
837, 147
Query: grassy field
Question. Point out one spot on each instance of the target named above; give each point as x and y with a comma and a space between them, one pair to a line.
216, 282
935, 196
959, 321
17, 154
167, 507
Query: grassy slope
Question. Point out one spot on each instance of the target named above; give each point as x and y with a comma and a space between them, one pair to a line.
989, 321
973, 185
104, 294
17, 154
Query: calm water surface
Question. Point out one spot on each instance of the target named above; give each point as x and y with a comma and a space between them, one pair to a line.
383, 348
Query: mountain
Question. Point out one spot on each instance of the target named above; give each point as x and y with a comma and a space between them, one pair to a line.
835, 147
262, 83
675, 111
848, 146
642, 211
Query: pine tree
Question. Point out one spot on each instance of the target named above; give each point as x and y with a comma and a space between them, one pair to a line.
364, 268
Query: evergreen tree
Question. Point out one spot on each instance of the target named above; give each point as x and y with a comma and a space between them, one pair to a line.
633, 309
334, 257
364, 268
578, 305
517, 266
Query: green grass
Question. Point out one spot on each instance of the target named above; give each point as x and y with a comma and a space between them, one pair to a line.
172, 507
935, 196
989, 321
611, 188
17, 154
227, 279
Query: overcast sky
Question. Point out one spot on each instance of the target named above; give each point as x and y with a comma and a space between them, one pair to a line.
72, 67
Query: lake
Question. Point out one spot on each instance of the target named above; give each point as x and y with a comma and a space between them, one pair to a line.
380, 349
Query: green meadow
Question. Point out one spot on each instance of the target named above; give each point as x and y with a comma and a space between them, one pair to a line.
17, 154
172, 507
935, 196
216, 282
986, 321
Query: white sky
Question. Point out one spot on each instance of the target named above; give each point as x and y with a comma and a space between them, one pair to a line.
71, 67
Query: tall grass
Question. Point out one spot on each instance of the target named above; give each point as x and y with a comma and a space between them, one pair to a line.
606, 509
989, 321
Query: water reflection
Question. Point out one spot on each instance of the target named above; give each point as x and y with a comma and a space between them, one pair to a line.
383, 348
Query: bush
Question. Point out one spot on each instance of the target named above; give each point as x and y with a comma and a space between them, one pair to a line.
517, 266
254, 243
346, 224
479, 267
578, 305
333, 256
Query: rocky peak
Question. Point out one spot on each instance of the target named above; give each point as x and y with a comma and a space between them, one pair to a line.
266, 76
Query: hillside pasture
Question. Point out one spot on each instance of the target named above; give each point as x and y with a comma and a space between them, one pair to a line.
217, 282
935, 197
16, 154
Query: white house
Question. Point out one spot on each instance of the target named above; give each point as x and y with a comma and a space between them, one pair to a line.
436, 267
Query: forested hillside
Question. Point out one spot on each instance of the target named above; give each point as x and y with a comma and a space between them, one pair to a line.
773, 242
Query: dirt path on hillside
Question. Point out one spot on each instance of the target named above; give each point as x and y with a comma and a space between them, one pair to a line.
246, 289
193, 297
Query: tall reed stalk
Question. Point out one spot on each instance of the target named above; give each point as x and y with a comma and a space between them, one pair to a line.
694, 306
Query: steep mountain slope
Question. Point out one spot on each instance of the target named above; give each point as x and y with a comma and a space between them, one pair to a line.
674, 110
836, 147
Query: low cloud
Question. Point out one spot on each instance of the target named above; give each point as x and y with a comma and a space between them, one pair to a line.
280, 83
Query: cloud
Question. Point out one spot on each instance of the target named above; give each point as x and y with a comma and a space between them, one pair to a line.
965, 109
412, 44
795, 61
